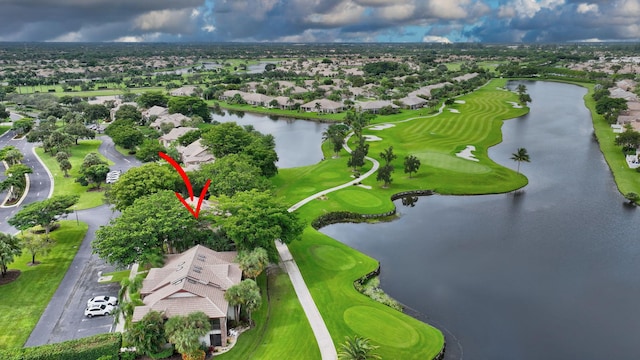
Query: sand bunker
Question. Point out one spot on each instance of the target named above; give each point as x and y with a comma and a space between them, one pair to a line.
381, 127
460, 102
466, 153
371, 138
515, 105
455, 111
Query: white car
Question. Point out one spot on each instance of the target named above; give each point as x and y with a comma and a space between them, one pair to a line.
96, 310
103, 300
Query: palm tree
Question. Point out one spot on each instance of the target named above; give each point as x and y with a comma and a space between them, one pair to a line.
357, 348
185, 332
520, 156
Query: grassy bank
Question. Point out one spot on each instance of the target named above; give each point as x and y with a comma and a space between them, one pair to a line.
68, 185
627, 179
23, 301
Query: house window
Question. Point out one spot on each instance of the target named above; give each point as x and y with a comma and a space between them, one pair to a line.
215, 324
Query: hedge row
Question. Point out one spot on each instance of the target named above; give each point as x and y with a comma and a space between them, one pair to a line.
103, 346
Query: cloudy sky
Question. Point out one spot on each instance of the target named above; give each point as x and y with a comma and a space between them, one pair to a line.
320, 20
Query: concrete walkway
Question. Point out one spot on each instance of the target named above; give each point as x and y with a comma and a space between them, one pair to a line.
319, 328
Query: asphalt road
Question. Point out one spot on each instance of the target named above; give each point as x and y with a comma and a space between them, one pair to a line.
39, 180
64, 319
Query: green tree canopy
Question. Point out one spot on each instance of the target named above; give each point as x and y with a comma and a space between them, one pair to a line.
152, 98
245, 294
357, 348
140, 181
149, 150
253, 262
520, 156
411, 164
226, 138
257, 220
35, 244
185, 332
336, 133
44, 213
10, 247
129, 112
189, 106
229, 175
96, 112
127, 136
153, 225
79, 131
147, 335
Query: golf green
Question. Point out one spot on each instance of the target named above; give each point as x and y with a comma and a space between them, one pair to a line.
380, 326
332, 258
452, 163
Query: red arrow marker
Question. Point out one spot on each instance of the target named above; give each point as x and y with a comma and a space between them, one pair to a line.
185, 178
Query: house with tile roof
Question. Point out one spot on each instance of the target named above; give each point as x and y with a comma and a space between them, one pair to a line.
176, 120
194, 155
323, 106
195, 280
174, 134
156, 111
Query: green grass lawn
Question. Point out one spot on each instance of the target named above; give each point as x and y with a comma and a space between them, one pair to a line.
281, 325
4, 129
68, 185
117, 276
627, 179
23, 301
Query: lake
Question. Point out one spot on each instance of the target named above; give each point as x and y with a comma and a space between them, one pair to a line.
552, 271
297, 141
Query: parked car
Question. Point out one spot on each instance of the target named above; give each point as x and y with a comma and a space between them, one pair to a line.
96, 310
102, 300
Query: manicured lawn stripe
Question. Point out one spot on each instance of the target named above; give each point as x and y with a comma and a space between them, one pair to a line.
23, 301
282, 330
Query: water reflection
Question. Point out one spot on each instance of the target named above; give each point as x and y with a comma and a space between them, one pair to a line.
409, 201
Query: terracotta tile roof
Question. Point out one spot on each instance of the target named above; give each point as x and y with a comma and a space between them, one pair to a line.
195, 280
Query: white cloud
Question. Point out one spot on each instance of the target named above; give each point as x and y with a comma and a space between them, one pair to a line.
584, 8
73, 36
527, 8
449, 9
167, 21
208, 28
435, 39
397, 12
138, 38
345, 13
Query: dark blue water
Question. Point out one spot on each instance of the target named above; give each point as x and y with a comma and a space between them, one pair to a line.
552, 272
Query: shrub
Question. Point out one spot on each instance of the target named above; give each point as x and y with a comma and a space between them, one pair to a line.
103, 346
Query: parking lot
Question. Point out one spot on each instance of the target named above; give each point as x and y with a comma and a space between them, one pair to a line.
73, 324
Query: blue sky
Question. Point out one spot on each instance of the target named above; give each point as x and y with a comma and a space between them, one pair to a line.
320, 20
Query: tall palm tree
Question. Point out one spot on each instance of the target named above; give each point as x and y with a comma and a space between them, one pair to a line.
520, 156
357, 348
